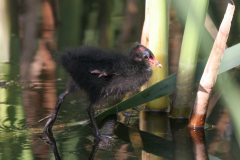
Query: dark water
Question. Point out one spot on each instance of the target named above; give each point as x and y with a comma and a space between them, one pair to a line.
159, 137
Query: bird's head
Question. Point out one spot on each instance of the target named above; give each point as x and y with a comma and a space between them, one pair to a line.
140, 53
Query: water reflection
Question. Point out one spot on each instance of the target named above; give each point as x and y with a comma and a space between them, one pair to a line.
199, 144
155, 123
181, 139
75, 141
50, 140
148, 142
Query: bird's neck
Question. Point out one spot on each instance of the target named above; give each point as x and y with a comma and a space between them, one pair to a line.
142, 65
141, 69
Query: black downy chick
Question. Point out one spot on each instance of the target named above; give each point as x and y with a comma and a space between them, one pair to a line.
102, 74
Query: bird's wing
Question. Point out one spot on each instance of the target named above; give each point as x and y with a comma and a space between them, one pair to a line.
103, 73
109, 66
106, 68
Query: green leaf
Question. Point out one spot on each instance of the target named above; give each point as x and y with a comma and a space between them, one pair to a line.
230, 60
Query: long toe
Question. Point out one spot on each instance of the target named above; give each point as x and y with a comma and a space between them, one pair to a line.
103, 137
51, 119
45, 118
97, 136
108, 136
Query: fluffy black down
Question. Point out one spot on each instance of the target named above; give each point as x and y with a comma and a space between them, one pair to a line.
124, 74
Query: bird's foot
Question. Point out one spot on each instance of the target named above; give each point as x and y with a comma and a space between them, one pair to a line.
129, 114
103, 137
51, 119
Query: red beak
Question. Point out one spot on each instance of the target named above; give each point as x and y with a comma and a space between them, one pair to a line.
154, 62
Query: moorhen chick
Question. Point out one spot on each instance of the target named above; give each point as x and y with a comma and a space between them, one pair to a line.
102, 74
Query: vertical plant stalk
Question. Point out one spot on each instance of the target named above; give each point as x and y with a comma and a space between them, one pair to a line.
145, 35
211, 28
181, 107
29, 38
209, 76
158, 44
105, 38
145, 31
69, 32
131, 13
5, 28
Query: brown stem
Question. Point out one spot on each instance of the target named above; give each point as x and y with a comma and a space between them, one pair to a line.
209, 76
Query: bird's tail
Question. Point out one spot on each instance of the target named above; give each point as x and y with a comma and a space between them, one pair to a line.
67, 60
72, 86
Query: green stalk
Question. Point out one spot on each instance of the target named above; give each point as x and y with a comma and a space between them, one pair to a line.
69, 30
181, 107
158, 44
10, 50
5, 29
105, 38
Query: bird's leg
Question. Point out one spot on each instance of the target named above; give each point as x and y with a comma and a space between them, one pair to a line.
118, 118
52, 117
94, 149
96, 131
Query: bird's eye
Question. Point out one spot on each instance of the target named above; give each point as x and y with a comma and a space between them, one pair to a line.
145, 54
145, 57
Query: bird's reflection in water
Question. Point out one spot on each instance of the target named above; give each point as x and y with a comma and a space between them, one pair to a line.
50, 140
107, 128
52, 143
110, 128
